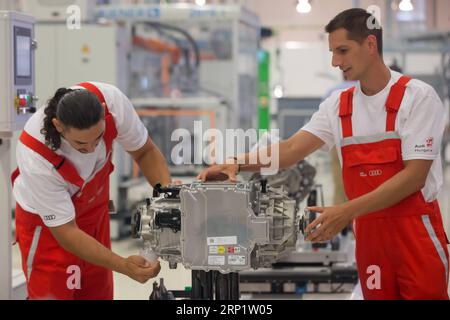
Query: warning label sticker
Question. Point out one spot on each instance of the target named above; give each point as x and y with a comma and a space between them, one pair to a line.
216, 260
221, 241
236, 260
213, 249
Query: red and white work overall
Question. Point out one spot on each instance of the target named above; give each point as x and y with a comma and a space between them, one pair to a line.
401, 251
47, 266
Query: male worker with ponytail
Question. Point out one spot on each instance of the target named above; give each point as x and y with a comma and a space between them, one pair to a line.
61, 187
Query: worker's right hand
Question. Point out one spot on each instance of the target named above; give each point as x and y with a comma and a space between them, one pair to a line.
220, 172
141, 270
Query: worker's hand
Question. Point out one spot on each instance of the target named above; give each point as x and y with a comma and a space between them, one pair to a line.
328, 224
139, 269
220, 172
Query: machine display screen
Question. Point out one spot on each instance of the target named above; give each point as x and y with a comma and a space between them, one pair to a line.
22, 56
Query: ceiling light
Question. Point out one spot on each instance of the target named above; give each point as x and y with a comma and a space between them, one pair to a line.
303, 6
406, 5
278, 91
200, 2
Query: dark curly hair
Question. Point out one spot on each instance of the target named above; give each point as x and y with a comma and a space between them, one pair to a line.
78, 109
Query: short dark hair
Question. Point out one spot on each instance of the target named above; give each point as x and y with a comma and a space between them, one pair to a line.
78, 109
355, 21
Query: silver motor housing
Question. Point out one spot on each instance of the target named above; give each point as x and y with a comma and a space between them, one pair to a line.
219, 226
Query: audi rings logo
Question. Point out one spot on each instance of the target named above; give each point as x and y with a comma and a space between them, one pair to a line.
49, 217
372, 173
375, 173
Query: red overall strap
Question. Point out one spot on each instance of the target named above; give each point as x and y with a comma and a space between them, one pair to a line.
63, 166
346, 111
90, 87
394, 101
14, 175
110, 126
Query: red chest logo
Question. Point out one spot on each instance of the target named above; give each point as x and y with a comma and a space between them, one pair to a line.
429, 142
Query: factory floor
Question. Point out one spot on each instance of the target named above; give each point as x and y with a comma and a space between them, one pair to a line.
178, 279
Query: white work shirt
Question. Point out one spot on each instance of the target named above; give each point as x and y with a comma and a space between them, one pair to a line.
420, 120
40, 189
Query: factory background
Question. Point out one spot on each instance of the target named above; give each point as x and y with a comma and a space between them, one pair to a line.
259, 64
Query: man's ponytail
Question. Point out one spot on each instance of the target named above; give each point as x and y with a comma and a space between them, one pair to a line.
52, 136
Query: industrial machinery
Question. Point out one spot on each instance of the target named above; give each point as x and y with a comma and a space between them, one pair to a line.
220, 229
165, 58
175, 55
17, 68
179, 49
17, 103
298, 180
219, 226
311, 267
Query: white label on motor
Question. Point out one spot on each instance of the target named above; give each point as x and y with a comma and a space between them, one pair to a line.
221, 240
236, 260
216, 260
213, 249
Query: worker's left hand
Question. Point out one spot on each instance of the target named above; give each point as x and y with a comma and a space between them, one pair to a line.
329, 223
